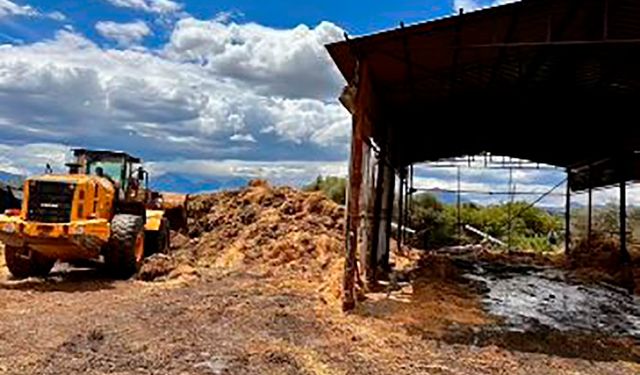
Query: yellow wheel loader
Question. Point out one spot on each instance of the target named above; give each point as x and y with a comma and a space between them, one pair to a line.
102, 210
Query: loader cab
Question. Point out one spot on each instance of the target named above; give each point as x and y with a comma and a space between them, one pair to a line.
123, 170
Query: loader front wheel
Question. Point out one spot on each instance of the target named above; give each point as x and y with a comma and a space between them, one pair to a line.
23, 262
125, 252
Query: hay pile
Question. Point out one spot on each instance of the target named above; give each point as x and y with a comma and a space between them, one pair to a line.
600, 260
260, 227
601, 251
2, 262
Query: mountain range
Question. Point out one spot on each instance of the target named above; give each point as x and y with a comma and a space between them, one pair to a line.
170, 182
190, 184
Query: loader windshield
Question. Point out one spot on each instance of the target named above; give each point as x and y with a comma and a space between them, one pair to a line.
117, 166
113, 169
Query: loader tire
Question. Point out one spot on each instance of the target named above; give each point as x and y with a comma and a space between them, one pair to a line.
158, 241
24, 262
125, 251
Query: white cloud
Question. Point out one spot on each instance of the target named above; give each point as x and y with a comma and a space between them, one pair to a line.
32, 158
227, 16
478, 181
471, 5
467, 5
125, 34
162, 106
242, 138
476, 169
57, 16
481, 181
292, 63
280, 172
250, 101
9, 8
151, 6
307, 119
449, 184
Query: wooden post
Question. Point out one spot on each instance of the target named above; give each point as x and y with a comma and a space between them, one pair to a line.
458, 213
353, 216
364, 117
377, 225
400, 208
624, 252
590, 217
386, 218
407, 201
365, 213
626, 272
567, 216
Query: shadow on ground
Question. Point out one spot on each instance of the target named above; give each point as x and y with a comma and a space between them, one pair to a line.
63, 278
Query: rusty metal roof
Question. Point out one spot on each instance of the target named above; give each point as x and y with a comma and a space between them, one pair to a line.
552, 81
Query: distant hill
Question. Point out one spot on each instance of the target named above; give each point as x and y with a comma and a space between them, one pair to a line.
447, 197
553, 210
190, 184
11, 179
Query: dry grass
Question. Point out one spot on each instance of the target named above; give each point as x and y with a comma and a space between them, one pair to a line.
263, 229
432, 303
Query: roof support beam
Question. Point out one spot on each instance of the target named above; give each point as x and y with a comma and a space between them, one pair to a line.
541, 43
457, 41
513, 25
534, 67
407, 61
605, 20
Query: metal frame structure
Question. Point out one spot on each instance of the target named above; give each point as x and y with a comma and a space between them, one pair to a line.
428, 92
511, 193
491, 162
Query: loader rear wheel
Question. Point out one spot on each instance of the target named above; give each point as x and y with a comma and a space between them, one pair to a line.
125, 252
23, 262
158, 241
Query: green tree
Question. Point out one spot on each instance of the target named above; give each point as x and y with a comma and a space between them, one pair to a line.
434, 226
334, 188
436, 223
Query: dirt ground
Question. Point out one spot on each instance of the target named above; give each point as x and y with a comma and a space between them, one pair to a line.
256, 306
235, 323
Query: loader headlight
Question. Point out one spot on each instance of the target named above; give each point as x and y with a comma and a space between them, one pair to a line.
9, 228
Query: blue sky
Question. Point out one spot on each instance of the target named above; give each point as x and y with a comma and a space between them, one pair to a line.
217, 90
279, 13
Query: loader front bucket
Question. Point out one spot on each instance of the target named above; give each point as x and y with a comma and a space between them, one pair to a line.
175, 207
